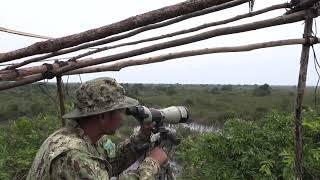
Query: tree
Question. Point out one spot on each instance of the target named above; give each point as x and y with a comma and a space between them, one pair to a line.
263, 90
226, 87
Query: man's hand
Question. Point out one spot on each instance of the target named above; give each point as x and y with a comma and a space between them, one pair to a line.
158, 155
146, 130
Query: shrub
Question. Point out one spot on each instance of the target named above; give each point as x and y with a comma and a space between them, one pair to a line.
20, 142
252, 150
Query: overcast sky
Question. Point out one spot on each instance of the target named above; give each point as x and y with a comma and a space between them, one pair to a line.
276, 66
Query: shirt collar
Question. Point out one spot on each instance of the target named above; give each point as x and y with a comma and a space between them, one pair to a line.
73, 124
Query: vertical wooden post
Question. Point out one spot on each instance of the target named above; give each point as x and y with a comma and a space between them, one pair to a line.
298, 109
61, 98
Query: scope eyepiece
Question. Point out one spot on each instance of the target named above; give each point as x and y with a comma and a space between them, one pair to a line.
138, 112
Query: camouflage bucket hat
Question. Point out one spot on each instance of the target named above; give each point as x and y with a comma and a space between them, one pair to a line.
98, 96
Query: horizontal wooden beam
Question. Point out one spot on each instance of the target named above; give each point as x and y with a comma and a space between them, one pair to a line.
117, 66
72, 65
131, 33
24, 81
284, 19
185, 31
127, 63
144, 19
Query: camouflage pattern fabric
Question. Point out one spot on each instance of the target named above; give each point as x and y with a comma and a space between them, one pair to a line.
69, 154
98, 96
144, 172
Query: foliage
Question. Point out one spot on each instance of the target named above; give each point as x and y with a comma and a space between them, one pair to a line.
31, 100
252, 150
20, 142
226, 88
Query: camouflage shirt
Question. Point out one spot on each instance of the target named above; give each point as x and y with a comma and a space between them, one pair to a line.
69, 154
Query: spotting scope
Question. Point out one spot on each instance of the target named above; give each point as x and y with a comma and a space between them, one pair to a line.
169, 115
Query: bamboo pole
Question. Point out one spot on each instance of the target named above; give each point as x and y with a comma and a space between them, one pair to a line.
117, 66
132, 33
131, 23
299, 99
72, 65
122, 64
61, 98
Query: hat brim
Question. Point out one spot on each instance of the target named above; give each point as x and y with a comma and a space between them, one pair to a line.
127, 102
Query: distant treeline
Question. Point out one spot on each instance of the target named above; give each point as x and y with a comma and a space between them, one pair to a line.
209, 104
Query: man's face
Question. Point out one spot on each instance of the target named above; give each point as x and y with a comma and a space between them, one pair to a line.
112, 121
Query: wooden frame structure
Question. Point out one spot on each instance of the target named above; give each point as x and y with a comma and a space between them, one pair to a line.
297, 10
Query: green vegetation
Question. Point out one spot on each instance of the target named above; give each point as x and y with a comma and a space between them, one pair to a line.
20, 141
261, 149
209, 104
256, 142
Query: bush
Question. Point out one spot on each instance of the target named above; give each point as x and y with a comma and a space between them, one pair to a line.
252, 150
20, 142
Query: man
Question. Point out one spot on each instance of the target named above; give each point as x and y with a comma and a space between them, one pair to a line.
74, 151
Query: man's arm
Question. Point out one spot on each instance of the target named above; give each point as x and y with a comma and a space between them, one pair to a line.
147, 170
126, 153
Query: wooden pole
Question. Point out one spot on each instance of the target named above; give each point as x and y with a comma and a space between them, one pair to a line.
27, 80
128, 24
61, 98
72, 65
117, 66
7, 75
190, 39
126, 63
184, 31
131, 33
2, 29
298, 109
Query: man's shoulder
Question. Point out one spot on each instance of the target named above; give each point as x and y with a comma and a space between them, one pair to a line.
73, 156
66, 137
61, 141
62, 134
80, 163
